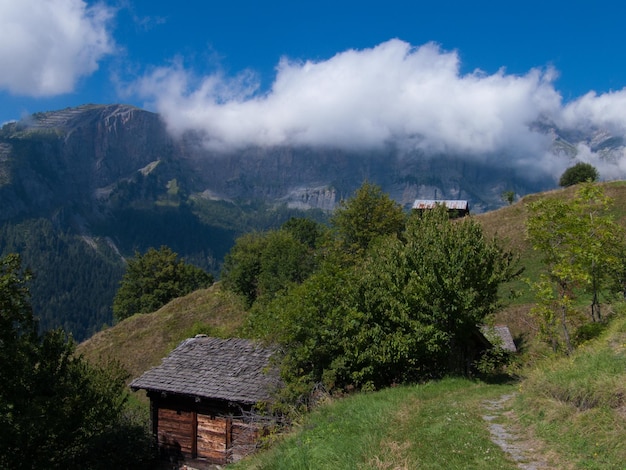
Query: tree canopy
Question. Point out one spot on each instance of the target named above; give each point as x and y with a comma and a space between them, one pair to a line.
262, 264
365, 217
581, 248
579, 173
406, 311
57, 411
153, 279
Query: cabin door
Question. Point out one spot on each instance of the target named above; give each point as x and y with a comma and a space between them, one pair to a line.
213, 438
175, 431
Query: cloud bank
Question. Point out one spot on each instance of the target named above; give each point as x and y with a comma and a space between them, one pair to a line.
414, 98
47, 45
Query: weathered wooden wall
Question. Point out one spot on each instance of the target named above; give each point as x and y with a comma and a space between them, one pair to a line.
213, 437
175, 431
204, 430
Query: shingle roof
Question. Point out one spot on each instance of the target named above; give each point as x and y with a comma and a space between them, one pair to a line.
229, 369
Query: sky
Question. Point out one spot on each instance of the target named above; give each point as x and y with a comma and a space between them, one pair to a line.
444, 76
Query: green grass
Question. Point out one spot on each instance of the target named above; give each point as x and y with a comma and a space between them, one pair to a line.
577, 404
438, 425
572, 411
574, 408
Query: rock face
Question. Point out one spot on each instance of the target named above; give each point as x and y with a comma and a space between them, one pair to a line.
60, 160
82, 188
71, 161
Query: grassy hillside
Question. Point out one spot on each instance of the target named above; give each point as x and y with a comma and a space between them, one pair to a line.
567, 414
141, 341
437, 425
577, 404
508, 225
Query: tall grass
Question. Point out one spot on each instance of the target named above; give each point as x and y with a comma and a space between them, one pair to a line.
438, 425
578, 404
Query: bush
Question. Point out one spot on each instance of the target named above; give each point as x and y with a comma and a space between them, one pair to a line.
153, 279
579, 173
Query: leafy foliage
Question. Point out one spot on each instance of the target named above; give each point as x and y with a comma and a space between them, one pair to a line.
579, 173
153, 279
407, 311
581, 247
262, 264
508, 196
368, 215
56, 411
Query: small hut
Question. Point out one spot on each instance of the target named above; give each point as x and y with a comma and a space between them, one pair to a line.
203, 397
500, 336
456, 208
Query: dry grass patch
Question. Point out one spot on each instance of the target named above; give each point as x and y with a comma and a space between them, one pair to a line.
141, 341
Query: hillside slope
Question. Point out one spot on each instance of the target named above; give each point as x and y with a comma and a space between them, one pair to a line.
141, 341
546, 421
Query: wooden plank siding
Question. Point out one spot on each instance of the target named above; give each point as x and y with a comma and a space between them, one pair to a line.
245, 437
203, 395
217, 439
213, 438
176, 429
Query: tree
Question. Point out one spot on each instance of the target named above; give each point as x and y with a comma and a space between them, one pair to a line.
508, 196
56, 410
242, 266
602, 243
153, 279
367, 216
306, 231
579, 173
581, 248
443, 275
262, 264
405, 312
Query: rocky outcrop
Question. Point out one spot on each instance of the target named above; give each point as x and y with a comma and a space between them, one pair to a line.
74, 159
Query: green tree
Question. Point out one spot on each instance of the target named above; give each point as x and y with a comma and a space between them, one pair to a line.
442, 275
367, 216
262, 264
306, 231
508, 196
57, 411
153, 279
284, 260
406, 312
242, 266
579, 173
581, 248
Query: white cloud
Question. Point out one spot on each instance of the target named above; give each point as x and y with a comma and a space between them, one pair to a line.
412, 97
606, 111
415, 97
47, 45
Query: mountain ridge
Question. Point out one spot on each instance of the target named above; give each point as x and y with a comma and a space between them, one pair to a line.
102, 182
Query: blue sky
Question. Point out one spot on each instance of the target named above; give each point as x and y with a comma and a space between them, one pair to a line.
441, 74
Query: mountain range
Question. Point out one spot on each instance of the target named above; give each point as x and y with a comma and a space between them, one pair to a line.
81, 189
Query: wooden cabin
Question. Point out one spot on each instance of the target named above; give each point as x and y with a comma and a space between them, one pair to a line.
203, 397
456, 208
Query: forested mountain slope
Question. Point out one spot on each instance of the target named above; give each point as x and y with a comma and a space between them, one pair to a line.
83, 188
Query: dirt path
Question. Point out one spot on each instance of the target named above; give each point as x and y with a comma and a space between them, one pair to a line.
506, 433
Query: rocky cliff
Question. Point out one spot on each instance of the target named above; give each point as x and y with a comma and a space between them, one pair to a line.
88, 186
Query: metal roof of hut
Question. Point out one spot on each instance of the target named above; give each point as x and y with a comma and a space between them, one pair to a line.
500, 335
450, 204
236, 370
